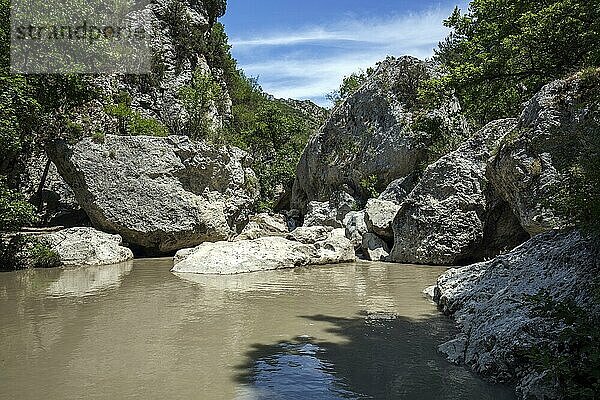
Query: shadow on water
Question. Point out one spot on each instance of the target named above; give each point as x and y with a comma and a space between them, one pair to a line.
378, 357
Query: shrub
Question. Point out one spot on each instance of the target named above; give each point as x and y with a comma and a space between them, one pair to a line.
131, 122
41, 256
501, 53
350, 84
15, 211
573, 364
199, 99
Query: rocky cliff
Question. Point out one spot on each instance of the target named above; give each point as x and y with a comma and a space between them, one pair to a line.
377, 135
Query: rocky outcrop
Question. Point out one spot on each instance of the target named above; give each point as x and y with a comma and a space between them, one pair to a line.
374, 248
379, 217
355, 227
444, 220
87, 246
178, 32
373, 137
397, 191
331, 212
160, 194
551, 133
310, 234
490, 302
268, 253
263, 225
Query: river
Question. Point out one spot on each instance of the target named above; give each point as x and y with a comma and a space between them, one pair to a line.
137, 331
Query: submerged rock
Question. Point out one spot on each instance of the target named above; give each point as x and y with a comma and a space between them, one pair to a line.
268, 253
87, 246
371, 139
444, 221
490, 302
160, 194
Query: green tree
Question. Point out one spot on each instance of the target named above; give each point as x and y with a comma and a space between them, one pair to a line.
501, 52
350, 84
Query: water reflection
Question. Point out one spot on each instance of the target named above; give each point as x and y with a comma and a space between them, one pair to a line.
144, 333
295, 371
89, 280
383, 358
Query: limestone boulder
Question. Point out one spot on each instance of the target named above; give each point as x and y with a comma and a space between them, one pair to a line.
267, 253
451, 217
551, 137
262, 225
374, 248
159, 194
87, 246
373, 137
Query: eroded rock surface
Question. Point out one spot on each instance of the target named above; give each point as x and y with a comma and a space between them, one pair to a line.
268, 253
263, 225
551, 133
444, 219
489, 301
87, 246
355, 227
160, 194
374, 248
371, 139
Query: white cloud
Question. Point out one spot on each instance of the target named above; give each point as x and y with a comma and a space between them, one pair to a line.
287, 69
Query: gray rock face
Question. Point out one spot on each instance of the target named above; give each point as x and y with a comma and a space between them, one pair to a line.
379, 217
444, 219
161, 194
488, 300
329, 213
397, 191
310, 234
167, 23
356, 227
529, 168
374, 248
371, 135
268, 253
87, 246
263, 225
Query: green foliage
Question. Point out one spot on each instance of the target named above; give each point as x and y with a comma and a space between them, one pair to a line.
98, 137
202, 96
369, 186
350, 84
131, 122
502, 52
573, 365
13, 254
15, 211
273, 133
41, 256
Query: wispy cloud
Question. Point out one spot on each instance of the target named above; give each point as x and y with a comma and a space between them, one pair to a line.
310, 62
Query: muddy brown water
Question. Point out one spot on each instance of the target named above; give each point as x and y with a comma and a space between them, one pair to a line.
137, 331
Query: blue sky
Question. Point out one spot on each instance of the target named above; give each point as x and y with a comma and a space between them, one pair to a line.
303, 48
